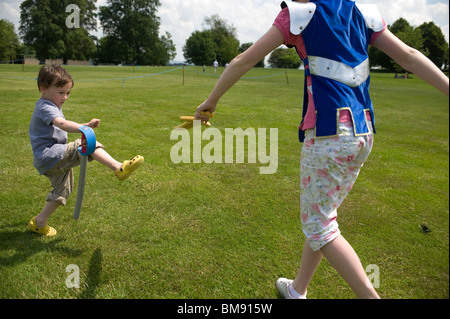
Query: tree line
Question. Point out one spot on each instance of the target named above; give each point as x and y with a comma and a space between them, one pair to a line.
218, 41
131, 32
427, 38
131, 36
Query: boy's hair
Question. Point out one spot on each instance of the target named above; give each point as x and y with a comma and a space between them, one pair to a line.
53, 75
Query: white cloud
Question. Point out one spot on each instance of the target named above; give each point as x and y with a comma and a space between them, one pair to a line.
10, 10
181, 18
415, 12
253, 19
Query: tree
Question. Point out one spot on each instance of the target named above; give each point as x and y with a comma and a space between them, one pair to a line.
78, 45
9, 41
401, 25
133, 27
284, 58
409, 35
199, 48
107, 51
427, 38
168, 49
224, 38
435, 43
446, 58
43, 27
405, 32
244, 47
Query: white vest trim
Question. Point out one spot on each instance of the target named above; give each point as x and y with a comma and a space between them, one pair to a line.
339, 71
373, 17
300, 15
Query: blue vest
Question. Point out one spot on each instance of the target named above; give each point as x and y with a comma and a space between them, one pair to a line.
336, 35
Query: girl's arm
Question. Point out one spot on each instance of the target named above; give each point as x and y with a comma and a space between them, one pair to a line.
239, 66
412, 60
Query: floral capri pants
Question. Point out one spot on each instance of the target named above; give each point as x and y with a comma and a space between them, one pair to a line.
329, 168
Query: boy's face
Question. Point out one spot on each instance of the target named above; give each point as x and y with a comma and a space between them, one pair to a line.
58, 95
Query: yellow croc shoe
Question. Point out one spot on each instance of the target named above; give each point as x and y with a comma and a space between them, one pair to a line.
46, 230
128, 167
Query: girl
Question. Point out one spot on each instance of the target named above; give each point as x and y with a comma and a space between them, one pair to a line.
332, 38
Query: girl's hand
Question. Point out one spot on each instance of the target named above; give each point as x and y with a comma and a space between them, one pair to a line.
205, 107
94, 123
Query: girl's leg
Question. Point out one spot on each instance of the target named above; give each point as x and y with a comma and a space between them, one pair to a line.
308, 266
329, 167
344, 259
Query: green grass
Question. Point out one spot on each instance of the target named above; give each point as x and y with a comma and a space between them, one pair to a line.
218, 230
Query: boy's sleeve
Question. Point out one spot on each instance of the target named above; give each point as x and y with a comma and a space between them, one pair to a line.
49, 112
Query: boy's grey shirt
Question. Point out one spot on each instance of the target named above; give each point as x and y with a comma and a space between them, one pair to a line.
47, 141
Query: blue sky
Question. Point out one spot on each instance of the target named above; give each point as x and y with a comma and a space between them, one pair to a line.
253, 18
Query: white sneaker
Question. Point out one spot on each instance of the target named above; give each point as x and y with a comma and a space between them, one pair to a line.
283, 285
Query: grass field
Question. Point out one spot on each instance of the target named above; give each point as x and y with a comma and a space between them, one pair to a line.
218, 230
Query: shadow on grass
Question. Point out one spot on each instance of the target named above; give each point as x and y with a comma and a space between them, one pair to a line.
93, 276
17, 247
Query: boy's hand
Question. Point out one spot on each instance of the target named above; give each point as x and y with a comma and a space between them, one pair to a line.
94, 123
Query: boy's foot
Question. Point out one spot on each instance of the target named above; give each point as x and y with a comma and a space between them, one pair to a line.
46, 230
129, 167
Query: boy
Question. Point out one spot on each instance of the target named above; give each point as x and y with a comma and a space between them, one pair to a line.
52, 155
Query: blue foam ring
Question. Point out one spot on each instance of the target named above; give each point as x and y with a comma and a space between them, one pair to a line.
90, 140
